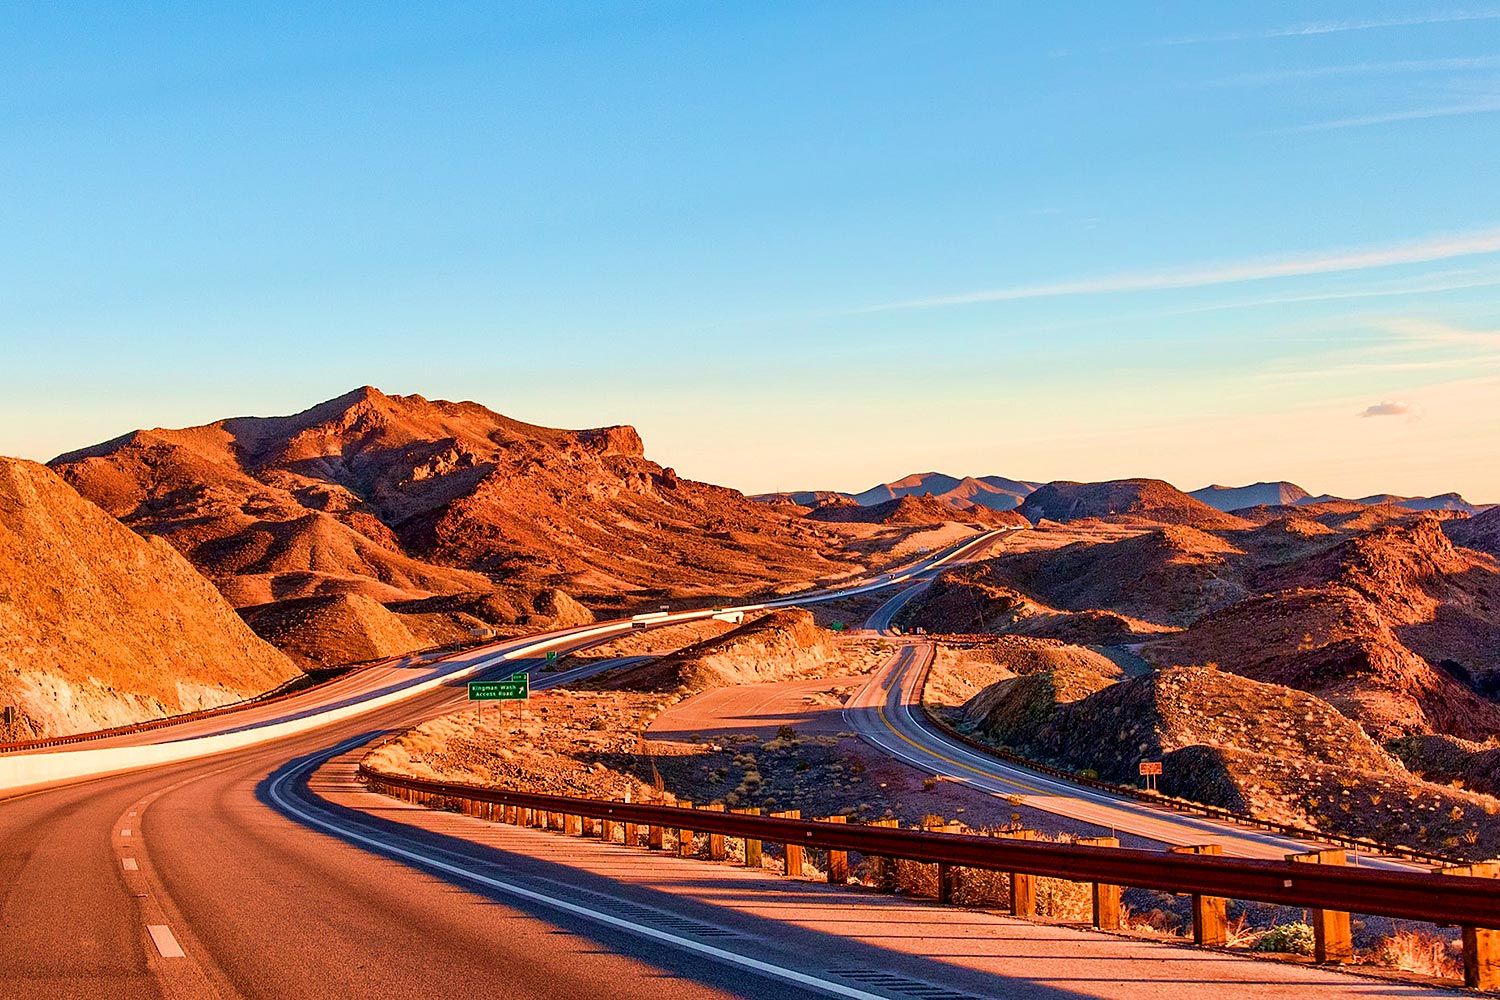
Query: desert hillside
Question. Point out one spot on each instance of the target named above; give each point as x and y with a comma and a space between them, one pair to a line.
100, 627
1271, 654
1481, 532
1227, 740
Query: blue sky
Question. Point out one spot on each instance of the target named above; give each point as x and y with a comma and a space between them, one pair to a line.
797, 245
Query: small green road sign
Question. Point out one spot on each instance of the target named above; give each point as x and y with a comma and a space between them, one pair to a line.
551, 656
515, 688
838, 626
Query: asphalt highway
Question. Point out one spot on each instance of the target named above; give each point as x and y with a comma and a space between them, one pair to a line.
266, 872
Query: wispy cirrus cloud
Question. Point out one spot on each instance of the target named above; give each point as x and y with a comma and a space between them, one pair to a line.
1458, 64
1257, 269
1479, 106
1337, 27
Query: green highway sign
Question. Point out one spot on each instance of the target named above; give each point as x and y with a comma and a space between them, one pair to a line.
838, 626
515, 688
551, 656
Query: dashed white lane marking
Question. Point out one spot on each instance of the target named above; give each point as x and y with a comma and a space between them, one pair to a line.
129, 864
165, 941
125, 832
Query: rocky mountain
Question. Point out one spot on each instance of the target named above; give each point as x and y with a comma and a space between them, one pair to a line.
1228, 498
1143, 500
457, 519
101, 627
399, 498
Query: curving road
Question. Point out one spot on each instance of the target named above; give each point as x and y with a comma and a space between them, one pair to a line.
267, 871
884, 712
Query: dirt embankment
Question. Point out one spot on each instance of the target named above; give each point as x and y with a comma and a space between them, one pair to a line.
591, 741
1264, 749
961, 669
100, 627
781, 645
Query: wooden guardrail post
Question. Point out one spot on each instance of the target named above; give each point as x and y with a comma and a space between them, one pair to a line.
716, 848
1333, 941
838, 861
885, 868
1481, 944
752, 846
685, 836
573, 825
947, 874
586, 826
1022, 884
1209, 922
793, 856
1106, 896
655, 832
632, 834
607, 830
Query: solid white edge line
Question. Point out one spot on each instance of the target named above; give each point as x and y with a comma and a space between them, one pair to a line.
165, 941
130, 864
687, 944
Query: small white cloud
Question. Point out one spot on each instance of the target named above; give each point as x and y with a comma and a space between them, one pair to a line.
1391, 409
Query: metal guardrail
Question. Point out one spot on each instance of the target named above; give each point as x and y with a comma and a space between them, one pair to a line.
1444, 899
1171, 802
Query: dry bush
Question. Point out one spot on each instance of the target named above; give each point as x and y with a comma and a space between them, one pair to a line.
1426, 953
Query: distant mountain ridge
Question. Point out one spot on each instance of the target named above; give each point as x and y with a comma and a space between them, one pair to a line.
1227, 498
1285, 494
994, 492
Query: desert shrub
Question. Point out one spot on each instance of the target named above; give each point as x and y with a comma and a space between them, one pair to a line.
1423, 952
1288, 939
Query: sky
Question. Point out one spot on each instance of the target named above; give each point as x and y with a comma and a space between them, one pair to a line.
796, 245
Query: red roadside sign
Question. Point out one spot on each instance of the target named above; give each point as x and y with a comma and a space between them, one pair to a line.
1150, 767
